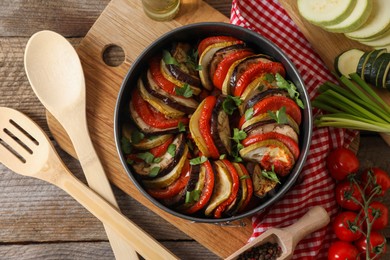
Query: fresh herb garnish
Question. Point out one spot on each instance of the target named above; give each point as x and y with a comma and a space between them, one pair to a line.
192, 60
270, 175
127, 148
279, 116
249, 113
291, 89
269, 77
169, 59
238, 135
198, 160
184, 91
146, 157
230, 104
154, 171
244, 177
136, 136
129, 161
172, 149
222, 156
181, 127
157, 159
192, 196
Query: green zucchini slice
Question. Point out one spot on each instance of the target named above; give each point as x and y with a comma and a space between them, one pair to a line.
370, 62
347, 62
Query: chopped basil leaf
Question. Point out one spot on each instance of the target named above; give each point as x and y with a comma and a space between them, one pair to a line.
269, 77
147, 157
181, 126
172, 149
249, 113
192, 59
129, 161
238, 135
230, 104
168, 59
290, 87
198, 160
126, 145
152, 137
157, 160
244, 177
279, 116
136, 136
192, 196
154, 171
270, 175
184, 91
237, 159
222, 156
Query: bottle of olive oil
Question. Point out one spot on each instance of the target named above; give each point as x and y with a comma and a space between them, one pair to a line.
161, 10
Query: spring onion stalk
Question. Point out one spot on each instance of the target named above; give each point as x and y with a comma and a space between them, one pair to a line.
352, 104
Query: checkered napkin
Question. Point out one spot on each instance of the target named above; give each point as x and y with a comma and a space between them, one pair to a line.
268, 18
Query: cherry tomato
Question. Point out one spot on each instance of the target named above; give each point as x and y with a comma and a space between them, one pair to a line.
341, 162
341, 250
346, 226
380, 212
346, 194
380, 178
377, 248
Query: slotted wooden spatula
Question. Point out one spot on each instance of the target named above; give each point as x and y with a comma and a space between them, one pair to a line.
287, 238
25, 149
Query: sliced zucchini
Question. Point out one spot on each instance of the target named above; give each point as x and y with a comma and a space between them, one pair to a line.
325, 12
362, 62
356, 19
347, 62
195, 131
383, 40
370, 62
376, 24
375, 78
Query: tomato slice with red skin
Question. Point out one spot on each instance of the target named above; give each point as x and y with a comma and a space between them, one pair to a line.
215, 39
255, 70
274, 103
224, 65
161, 81
205, 127
206, 192
288, 141
175, 187
152, 117
160, 150
235, 185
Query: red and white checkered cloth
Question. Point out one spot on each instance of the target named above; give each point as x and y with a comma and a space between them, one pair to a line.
268, 18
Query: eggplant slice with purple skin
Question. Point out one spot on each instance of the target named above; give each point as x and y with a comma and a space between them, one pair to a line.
220, 127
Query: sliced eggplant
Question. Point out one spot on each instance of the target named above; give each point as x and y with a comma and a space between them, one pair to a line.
286, 130
222, 188
148, 142
183, 76
168, 75
220, 128
169, 178
166, 162
261, 184
205, 61
186, 105
157, 103
270, 154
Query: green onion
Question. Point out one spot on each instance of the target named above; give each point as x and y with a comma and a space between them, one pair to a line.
352, 104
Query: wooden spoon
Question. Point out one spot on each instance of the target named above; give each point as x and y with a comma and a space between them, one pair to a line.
287, 238
25, 149
56, 76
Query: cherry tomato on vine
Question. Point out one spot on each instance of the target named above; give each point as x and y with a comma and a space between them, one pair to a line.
348, 195
341, 162
380, 178
340, 250
378, 245
380, 212
346, 226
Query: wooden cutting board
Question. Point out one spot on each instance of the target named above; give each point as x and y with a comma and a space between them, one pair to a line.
124, 24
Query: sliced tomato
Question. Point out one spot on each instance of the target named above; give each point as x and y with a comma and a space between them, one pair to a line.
256, 70
215, 39
207, 190
205, 127
174, 188
152, 117
160, 150
161, 81
288, 141
224, 65
274, 103
233, 195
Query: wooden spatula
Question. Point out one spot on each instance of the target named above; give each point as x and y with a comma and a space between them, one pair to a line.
287, 238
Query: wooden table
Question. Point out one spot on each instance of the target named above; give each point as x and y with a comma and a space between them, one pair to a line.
39, 221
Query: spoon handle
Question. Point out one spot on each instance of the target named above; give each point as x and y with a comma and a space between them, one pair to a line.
96, 177
129, 232
314, 219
